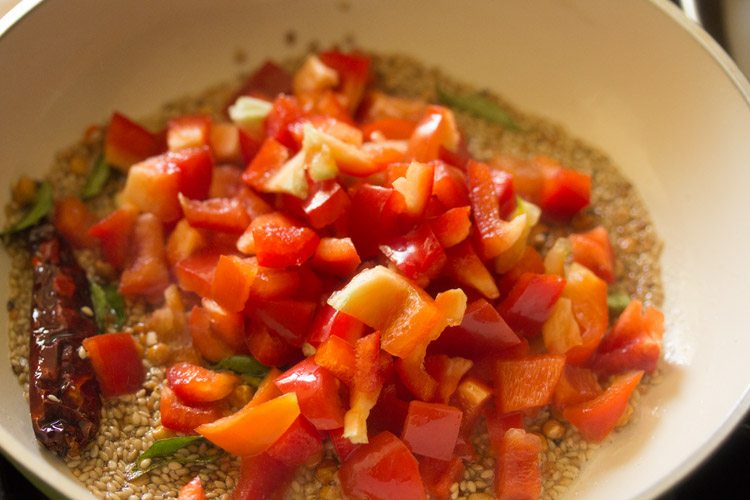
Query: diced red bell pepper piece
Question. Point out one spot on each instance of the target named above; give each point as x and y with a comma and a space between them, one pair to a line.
576, 385
233, 278
518, 473
506, 195
417, 254
366, 387
326, 203
196, 166
341, 445
634, 342
449, 186
196, 385
588, 295
271, 283
289, 319
372, 218
482, 332
183, 242
114, 232
336, 256
286, 111
565, 192
416, 187
317, 391
127, 142
188, 132
415, 378
353, 70
389, 128
267, 81
254, 428
205, 340
280, 243
227, 325
383, 469
528, 178
224, 140
180, 417
389, 413
337, 356
596, 418
261, 477
298, 444
471, 396
265, 164
448, 373
437, 129
495, 234
192, 490
117, 363
527, 383
153, 186
226, 182
196, 273
407, 317
73, 221
431, 429
267, 347
530, 302
216, 214
379, 106
500, 423
439, 475
593, 250
451, 227
146, 272
330, 322
529, 262
465, 266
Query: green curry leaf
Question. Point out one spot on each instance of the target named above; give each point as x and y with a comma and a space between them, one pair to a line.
250, 368
109, 306
41, 208
479, 106
161, 452
617, 302
96, 180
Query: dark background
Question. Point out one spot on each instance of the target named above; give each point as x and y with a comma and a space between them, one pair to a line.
724, 475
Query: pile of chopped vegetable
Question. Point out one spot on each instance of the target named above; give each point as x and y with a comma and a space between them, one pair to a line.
330, 264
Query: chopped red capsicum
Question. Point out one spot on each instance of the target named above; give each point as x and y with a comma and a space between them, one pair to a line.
530, 302
382, 470
565, 192
596, 418
417, 254
594, 250
117, 363
518, 473
180, 417
280, 243
431, 429
482, 332
366, 387
336, 256
527, 383
195, 385
634, 342
232, 280
114, 232
146, 273
254, 428
127, 142
188, 131
216, 214
317, 391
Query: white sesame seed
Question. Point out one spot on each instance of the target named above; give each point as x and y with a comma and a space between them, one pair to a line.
53, 398
87, 311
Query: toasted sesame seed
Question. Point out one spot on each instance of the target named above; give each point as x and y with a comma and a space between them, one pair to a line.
87, 311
